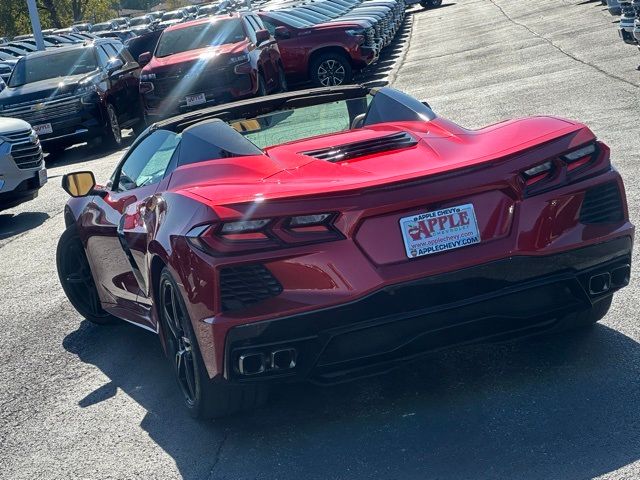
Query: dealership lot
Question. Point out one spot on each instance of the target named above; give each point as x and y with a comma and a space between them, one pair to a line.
80, 401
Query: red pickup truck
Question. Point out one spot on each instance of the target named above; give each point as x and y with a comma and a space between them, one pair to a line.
210, 61
327, 54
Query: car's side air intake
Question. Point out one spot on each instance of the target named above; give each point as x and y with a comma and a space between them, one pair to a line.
602, 204
245, 285
347, 151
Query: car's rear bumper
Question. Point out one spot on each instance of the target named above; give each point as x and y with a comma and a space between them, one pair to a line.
509, 298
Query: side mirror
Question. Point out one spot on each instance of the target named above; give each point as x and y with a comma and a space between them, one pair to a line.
114, 65
78, 184
262, 36
144, 58
281, 33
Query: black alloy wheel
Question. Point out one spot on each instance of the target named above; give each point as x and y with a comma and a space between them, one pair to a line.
282, 79
76, 279
179, 341
203, 397
262, 89
112, 137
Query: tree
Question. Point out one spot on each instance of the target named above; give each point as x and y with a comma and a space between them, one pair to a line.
14, 15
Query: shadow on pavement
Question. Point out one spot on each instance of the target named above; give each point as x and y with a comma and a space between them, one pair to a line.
12, 225
553, 407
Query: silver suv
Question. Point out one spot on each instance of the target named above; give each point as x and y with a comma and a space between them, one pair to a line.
22, 171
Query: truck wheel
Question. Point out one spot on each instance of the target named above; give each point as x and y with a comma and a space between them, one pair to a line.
202, 397
282, 80
330, 70
430, 3
76, 279
262, 89
112, 137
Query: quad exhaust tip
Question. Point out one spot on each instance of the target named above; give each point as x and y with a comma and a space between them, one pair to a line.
256, 363
603, 282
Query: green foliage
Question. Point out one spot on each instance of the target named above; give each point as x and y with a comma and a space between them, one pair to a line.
14, 15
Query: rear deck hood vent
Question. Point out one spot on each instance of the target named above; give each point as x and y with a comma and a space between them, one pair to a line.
347, 151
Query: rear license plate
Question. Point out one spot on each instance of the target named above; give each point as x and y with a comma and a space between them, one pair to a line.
439, 231
197, 99
42, 176
43, 129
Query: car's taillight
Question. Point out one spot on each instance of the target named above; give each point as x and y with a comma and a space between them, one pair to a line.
240, 236
538, 173
580, 157
585, 161
146, 87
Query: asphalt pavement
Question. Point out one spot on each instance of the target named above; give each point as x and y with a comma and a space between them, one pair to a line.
79, 401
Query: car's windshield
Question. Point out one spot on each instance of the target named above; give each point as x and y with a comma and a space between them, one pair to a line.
139, 21
285, 126
215, 32
172, 15
57, 64
99, 27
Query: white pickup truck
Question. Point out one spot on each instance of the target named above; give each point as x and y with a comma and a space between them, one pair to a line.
22, 171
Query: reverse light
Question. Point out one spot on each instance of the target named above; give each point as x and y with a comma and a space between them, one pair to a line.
243, 226
308, 220
537, 173
580, 157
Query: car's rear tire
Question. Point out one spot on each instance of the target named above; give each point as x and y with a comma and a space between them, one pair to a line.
202, 397
430, 3
587, 317
76, 278
112, 136
282, 80
261, 91
330, 70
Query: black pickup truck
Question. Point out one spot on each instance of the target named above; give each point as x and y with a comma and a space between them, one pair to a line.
76, 93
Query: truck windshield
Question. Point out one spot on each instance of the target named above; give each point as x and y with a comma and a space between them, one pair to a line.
101, 27
57, 64
135, 22
218, 32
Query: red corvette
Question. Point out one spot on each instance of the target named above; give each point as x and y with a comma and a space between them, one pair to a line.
332, 233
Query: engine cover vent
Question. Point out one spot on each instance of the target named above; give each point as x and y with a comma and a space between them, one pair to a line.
347, 151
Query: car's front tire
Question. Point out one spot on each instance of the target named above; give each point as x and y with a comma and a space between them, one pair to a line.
282, 80
331, 70
76, 278
202, 397
112, 136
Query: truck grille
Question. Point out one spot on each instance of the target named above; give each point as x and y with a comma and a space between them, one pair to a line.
25, 153
41, 112
245, 285
369, 37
